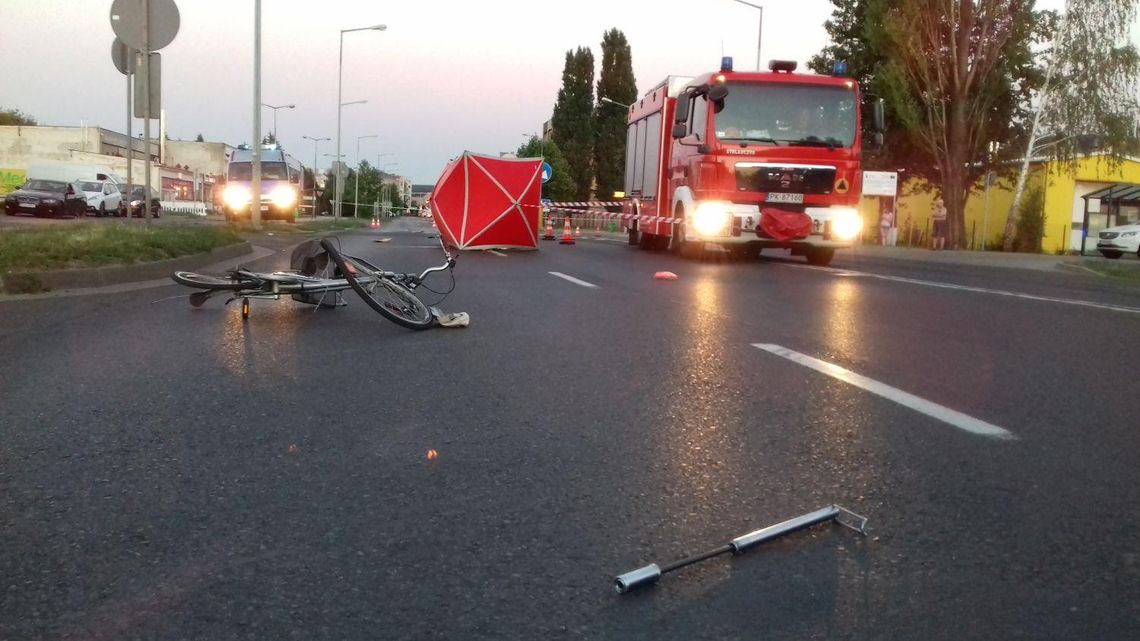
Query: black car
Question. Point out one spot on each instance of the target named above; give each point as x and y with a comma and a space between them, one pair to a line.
47, 198
135, 201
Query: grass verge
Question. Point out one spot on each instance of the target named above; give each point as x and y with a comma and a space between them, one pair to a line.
1124, 272
90, 245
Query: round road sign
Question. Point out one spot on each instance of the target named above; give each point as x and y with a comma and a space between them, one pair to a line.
128, 21
121, 56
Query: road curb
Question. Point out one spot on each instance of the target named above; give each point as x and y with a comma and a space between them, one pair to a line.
45, 281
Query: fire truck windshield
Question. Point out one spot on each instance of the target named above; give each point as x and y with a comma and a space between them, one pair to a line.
787, 114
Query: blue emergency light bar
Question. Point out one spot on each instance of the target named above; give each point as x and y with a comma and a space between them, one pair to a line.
839, 68
726, 63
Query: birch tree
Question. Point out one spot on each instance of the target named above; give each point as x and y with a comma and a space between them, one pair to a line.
1088, 101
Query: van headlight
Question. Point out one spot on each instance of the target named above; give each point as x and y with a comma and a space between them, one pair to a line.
845, 223
236, 196
711, 218
283, 197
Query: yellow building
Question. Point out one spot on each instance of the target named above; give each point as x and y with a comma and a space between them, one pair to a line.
986, 212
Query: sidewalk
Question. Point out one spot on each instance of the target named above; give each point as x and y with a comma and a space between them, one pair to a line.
1009, 260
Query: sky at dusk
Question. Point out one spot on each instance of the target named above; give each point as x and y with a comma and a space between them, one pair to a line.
446, 76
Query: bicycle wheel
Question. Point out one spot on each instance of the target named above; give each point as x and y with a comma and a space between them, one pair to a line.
213, 283
394, 301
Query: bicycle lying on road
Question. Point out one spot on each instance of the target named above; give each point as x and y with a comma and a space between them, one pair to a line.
320, 269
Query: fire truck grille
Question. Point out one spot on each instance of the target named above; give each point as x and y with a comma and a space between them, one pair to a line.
773, 178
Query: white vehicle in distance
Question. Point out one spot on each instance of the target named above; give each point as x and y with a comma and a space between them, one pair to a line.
103, 197
1114, 242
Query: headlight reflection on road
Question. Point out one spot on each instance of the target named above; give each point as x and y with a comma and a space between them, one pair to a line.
843, 300
261, 351
698, 438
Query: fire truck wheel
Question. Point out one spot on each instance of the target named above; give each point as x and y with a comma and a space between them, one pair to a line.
646, 241
681, 247
820, 257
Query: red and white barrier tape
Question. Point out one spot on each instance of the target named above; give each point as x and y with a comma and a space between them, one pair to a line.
577, 205
610, 214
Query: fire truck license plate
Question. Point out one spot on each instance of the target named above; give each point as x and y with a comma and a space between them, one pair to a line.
785, 198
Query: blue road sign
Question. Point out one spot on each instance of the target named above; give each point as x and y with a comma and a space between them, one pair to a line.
547, 172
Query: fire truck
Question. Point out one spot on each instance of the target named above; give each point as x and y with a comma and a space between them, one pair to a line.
747, 160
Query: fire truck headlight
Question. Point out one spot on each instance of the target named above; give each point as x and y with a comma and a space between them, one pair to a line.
845, 223
236, 196
711, 218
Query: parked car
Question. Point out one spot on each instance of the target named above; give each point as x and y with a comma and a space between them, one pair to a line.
46, 198
135, 199
103, 197
1114, 242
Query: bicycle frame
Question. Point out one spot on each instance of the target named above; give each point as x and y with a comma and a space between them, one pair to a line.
273, 285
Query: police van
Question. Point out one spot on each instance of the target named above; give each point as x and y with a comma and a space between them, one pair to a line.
279, 191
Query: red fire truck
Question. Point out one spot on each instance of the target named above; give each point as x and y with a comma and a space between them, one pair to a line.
747, 160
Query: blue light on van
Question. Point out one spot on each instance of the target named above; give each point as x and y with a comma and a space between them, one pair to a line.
726, 63
839, 68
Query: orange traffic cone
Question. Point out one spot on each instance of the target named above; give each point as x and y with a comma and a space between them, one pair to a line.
375, 223
549, 235
578, 231
567, 236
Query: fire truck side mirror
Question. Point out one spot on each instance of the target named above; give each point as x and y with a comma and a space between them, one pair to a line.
680, 130
681, 114
717, 93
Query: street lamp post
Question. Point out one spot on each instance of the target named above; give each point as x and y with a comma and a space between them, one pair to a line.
315, 142
340, 98
356, 198
336, 165
275, 108
384, 185
759, 29
255, 182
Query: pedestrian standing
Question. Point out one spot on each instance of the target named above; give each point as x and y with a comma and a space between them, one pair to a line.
886, 219
938, 236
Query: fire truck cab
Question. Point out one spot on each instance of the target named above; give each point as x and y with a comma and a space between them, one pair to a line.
748, 161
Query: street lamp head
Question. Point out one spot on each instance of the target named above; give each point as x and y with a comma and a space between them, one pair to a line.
290, 106
354, 102
380, 27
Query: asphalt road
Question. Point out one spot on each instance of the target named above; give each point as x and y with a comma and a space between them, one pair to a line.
148, 490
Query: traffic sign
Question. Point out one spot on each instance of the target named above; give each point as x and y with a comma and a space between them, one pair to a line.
880, 183
153, 87
547, 172
130, 22
121, 55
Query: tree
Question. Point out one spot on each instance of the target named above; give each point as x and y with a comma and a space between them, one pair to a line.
573, 119
959, 74
859, 39
561, 185
200, 138
616, 82
269, 139
16, 117
1088, 100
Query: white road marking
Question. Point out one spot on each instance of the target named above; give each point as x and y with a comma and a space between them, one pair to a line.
978, 290
906, 399
576, 281
496, 252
